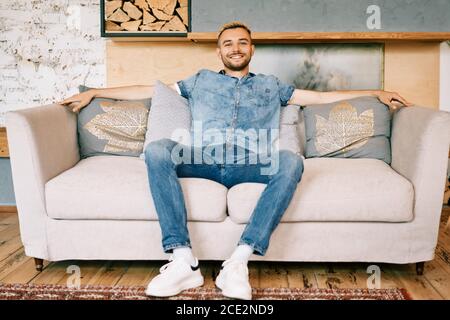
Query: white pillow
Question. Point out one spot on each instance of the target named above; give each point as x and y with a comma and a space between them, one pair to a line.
169, 116
290, 130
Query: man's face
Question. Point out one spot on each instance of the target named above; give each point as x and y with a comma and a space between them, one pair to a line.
235, 49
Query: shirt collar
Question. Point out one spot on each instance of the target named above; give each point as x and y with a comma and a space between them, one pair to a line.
250, 74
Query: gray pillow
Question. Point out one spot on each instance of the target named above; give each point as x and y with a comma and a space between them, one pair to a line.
355, 128
169, 117
290, 139
114, 127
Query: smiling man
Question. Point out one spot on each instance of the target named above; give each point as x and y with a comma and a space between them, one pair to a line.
232, 99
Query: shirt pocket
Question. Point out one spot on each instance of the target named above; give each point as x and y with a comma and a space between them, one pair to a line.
263, 95
257, 97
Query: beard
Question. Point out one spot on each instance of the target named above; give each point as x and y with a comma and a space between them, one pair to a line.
237, 66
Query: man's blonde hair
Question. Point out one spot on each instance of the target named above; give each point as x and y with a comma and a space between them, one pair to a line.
233, 25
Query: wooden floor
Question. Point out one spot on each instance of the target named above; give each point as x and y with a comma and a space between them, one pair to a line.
15, 267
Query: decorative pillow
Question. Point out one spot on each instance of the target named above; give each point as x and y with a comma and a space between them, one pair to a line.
290, 118
115, 127
355, 128
301, 132
169, 117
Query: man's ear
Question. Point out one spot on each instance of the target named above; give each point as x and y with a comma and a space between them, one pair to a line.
218, 53
253, 49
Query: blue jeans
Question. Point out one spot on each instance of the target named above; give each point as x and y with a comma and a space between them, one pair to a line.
163, 174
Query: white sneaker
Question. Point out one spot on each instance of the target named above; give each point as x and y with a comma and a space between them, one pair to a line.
233, 280
174, 277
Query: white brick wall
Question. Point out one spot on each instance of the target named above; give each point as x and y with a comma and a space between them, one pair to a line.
47, 49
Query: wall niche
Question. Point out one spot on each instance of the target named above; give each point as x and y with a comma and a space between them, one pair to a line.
145, 18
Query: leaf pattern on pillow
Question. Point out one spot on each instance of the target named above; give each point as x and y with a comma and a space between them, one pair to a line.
123, 125
344, 130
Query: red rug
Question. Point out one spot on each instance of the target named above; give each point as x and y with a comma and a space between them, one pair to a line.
57, 292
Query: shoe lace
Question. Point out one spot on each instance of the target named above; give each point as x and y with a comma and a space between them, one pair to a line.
236, 267
168, 266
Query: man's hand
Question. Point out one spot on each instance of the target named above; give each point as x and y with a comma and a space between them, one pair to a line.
78, 101
392, 99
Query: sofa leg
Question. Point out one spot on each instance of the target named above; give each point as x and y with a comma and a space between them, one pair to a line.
419, 268
39, 263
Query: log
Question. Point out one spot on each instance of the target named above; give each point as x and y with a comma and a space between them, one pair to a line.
161, 15
183, 13
142, 4
119, 16
131, 25
175, 24
132, 11
111, 26
152, 26
111, 6
148, 18
183, 3
170, 7
146, 15
167, 6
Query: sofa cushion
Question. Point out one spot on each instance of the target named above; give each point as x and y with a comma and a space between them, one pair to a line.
116, 188
334, 189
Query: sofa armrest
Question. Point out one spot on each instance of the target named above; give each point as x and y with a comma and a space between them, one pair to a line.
420, 143
42, 144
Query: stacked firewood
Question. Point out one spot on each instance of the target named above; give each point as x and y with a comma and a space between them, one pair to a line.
146, 15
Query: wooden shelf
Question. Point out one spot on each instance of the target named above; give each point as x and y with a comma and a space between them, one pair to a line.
4, 152
288, 37
297, 37
137, 38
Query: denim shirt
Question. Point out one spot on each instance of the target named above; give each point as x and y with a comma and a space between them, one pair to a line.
225, 104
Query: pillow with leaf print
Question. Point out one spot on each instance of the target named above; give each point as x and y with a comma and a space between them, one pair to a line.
354, 128
113, 127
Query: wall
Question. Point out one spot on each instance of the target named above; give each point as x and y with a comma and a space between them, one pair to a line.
322, 15
6, 185
48, 48
411, 69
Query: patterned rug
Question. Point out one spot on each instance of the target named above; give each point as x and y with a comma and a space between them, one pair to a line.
57, 292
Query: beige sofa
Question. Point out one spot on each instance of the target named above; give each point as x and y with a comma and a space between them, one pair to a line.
344, 209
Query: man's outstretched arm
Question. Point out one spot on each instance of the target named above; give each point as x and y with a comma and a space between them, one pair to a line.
309, 97
137, 92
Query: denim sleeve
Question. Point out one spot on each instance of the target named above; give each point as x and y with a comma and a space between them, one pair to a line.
285, 92
186, 86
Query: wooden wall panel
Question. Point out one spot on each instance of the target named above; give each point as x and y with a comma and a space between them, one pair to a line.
144, 62
411, 69
4, 151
